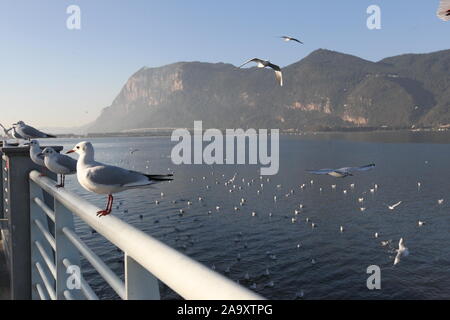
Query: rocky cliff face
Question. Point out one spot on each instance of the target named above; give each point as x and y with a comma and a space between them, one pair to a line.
325, 90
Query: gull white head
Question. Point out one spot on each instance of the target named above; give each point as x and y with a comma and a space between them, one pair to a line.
83, 148
19, 123
34, 143
48, 152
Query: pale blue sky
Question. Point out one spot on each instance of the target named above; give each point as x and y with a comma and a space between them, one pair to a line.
52, 76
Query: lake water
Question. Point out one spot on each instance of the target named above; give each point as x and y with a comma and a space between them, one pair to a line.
244, 247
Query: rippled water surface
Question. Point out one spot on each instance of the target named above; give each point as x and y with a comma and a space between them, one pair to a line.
318, 263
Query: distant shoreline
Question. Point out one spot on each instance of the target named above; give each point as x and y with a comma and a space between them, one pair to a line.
168, 132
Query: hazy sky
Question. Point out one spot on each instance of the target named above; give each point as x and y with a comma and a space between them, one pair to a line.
52, 76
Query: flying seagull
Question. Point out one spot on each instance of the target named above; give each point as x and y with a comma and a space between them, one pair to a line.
395, 205
287, 39
342, 172
402, 251
264, 64
106, 179
59, 164
28, 132
444, 10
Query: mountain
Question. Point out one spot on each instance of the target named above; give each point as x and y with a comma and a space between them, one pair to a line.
325, 90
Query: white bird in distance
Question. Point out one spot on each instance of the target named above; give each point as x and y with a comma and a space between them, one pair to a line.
287, 39
395, 205
342, 172
402, 251
260, 63
444, 10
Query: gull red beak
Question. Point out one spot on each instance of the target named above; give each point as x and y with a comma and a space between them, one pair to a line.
70, 151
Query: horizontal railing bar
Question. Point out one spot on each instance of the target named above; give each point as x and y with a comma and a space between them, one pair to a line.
41, 292
68, 295
189, 278
85, 287
49, 212
110, 277
44, 278
47, 259
46, 234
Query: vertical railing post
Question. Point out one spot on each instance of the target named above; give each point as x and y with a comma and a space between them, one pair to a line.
18, 165
16, 190
36, 236
139, 283
66, 250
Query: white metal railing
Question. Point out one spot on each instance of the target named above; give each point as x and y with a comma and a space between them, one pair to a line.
55, 247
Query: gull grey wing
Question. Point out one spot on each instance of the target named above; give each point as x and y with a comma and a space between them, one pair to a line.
364, 168
296, 40
27, 131
115, 176
321, 171
444, 10
67, 162
251, 60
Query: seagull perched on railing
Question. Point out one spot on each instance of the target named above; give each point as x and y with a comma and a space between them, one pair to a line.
260, 63
287, 39
342, 172
36, 154
59, 164
444, 10
106, 179
28, 132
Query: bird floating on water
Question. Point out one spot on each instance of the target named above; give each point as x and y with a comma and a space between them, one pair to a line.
342, 172
260, 63
106, 179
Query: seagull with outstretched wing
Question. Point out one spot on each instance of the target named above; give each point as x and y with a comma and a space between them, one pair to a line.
287, 39
260, 63
342, 172
444, 10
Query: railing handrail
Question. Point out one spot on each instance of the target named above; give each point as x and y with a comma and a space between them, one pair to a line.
189, 278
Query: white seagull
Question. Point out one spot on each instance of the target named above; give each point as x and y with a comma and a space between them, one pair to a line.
342, 172
36, 154
395, 205
287, 39
402, 251
444, 10
28, 132
106, 179
260, 63
59, 164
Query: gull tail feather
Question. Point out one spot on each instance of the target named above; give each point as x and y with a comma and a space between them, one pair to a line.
160, 177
